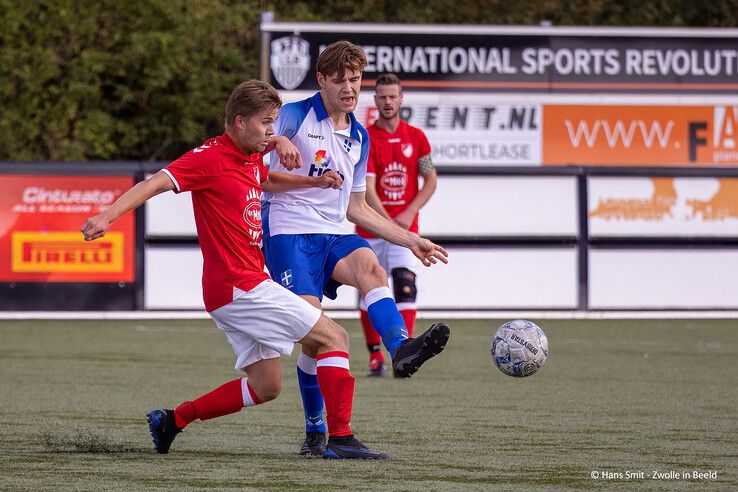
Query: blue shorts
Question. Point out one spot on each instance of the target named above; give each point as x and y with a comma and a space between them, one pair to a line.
304, 263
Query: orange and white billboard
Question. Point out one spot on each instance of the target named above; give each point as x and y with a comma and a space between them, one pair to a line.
591, 135
40, 217
666, 207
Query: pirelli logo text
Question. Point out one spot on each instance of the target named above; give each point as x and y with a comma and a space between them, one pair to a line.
67, 252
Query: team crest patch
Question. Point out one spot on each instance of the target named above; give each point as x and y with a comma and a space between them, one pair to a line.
286, 278
290, 60
407, 150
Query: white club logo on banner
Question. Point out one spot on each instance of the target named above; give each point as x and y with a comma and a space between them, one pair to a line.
290, 60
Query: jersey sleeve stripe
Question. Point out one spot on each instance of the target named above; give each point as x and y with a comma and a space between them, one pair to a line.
174, 180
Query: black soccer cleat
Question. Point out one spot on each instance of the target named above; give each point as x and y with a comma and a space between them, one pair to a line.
314, 445
163, 429
414, 352
350, 448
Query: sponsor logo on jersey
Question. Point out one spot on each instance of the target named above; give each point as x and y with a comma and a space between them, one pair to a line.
321, 158
66, 252
290, 60
252, 215
394, 181
319, 137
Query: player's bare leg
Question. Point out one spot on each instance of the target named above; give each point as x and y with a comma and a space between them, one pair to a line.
263, 382
362, 270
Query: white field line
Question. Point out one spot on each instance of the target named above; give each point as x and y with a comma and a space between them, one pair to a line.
350, 314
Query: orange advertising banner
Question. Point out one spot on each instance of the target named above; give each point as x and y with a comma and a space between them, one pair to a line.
640, 135
40, 217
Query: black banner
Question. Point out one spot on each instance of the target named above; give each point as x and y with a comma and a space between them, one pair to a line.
519, 63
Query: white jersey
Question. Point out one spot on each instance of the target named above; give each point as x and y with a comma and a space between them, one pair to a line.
316, 210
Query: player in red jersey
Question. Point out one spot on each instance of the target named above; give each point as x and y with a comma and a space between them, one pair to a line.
398, 155
260, 318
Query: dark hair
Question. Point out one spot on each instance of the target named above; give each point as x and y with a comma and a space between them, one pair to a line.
388, 79
250, 97
339, 56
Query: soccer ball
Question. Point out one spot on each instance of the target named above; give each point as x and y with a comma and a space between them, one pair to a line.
519, 348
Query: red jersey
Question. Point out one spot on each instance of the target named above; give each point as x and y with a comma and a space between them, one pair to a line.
393, 159
226, 192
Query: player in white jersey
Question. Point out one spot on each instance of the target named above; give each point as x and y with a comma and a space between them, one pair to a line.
310, 252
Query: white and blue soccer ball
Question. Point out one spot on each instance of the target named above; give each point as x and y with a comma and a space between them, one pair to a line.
519, 348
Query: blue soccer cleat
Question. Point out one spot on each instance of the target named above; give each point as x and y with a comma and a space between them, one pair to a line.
350, 448
163, 429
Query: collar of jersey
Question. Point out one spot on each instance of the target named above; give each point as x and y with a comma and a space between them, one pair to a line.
320, 113
388, 134
228, 142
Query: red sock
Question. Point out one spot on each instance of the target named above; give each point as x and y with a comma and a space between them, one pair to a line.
373, 340
224, 400
408, 315
337, 385
370, 334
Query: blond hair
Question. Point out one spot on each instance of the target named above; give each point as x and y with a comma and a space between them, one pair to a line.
250, 97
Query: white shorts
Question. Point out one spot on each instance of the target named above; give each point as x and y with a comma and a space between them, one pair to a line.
392, 256
264, 322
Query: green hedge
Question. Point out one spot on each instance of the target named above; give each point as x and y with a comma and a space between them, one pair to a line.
92, 79
147, 80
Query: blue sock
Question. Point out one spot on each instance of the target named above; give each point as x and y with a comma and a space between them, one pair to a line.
385, 318
312, 399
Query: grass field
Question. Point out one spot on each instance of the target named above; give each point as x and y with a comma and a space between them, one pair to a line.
617, 397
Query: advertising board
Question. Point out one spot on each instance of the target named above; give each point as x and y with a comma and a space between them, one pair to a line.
40, 217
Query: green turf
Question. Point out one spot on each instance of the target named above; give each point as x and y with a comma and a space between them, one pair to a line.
615, 396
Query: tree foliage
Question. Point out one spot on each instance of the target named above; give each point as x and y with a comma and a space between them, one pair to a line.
148, 79
675, 13
91, 79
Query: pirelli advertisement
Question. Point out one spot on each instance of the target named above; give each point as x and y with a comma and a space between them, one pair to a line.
40, 242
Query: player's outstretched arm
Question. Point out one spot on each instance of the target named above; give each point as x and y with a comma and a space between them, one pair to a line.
372, 198
277, 181
97, 226
361, 214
